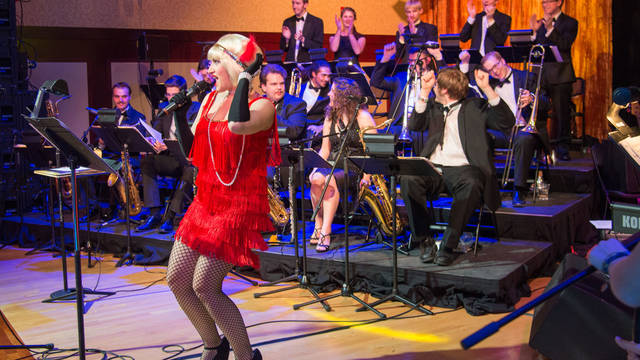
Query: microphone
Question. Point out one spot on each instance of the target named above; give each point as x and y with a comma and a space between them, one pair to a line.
197, 88
362, 99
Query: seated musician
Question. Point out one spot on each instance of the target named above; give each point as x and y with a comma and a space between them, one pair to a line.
290, 110
128, 116
462, 157
166, 164
383, 78
507, 83
315, 93
343, 105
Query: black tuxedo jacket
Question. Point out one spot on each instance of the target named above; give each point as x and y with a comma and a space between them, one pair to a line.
496, 33
313, 32
315, 115
475, 116
563, 35
424, 32
291, 113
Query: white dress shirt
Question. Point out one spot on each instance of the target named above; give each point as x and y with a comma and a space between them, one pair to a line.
299, 27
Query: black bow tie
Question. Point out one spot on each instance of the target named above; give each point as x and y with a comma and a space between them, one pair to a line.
311, 87
299, 18
498, 83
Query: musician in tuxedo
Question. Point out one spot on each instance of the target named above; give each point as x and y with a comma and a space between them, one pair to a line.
166, 164
301, 32
486, 29
126, 116
416, 31
461, 157
383, 78
315, 92
507, 83
559, 29
291, 112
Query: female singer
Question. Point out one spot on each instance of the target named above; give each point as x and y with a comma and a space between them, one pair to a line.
343, 104
347, 42
230, 209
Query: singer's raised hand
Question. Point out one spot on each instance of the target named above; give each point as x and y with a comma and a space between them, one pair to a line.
338, 24
253, 68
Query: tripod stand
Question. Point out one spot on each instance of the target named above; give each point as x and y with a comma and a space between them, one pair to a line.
292, 157
78, 154
393, 167
346, 290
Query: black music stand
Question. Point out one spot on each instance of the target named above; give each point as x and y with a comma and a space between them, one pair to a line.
394, 167
125, 139
302, 158
346, 290
77, 154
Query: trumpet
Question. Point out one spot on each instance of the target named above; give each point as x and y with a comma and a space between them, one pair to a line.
535, 60
295, 84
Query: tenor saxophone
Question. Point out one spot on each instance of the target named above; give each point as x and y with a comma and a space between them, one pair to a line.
278, 213
134, 195
380, 200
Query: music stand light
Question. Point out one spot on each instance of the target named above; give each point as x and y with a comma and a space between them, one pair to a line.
521, 37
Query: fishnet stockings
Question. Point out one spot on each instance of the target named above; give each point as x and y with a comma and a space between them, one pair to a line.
196, 282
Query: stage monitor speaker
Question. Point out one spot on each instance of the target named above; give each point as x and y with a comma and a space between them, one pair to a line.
583, 320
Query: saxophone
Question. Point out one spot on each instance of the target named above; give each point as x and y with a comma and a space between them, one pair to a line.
278, 213
380, 200
134, 195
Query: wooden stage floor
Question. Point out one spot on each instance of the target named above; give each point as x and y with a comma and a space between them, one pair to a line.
143, 317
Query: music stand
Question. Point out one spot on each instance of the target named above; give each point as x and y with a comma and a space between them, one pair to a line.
78, 154
363, 84
346, 290
393, 167
125, 139
303, 158
450, 44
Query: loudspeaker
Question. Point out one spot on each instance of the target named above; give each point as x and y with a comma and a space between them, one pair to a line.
582, 321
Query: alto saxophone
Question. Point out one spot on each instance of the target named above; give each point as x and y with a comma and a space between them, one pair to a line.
278, 213
380, 200
134, 195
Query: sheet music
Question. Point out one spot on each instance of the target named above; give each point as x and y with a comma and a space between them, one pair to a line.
632, 146
157, 136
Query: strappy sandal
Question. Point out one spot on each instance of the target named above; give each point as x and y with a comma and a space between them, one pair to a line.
320, 248
313, 240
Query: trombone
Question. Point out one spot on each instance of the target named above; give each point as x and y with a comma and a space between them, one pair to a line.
535, 60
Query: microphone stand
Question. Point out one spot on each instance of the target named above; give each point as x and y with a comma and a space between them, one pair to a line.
493, 327
346, 290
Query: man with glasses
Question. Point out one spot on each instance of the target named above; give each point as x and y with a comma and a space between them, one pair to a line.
165, 164
559, 29
508, 83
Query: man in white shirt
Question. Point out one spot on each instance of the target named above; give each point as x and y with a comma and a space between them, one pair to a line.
301, 32
487, 29
457, 146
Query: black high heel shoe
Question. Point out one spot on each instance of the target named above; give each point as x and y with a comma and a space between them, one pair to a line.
222, 350
256, 355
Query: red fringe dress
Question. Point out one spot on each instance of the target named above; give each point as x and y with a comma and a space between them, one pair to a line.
225, 221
